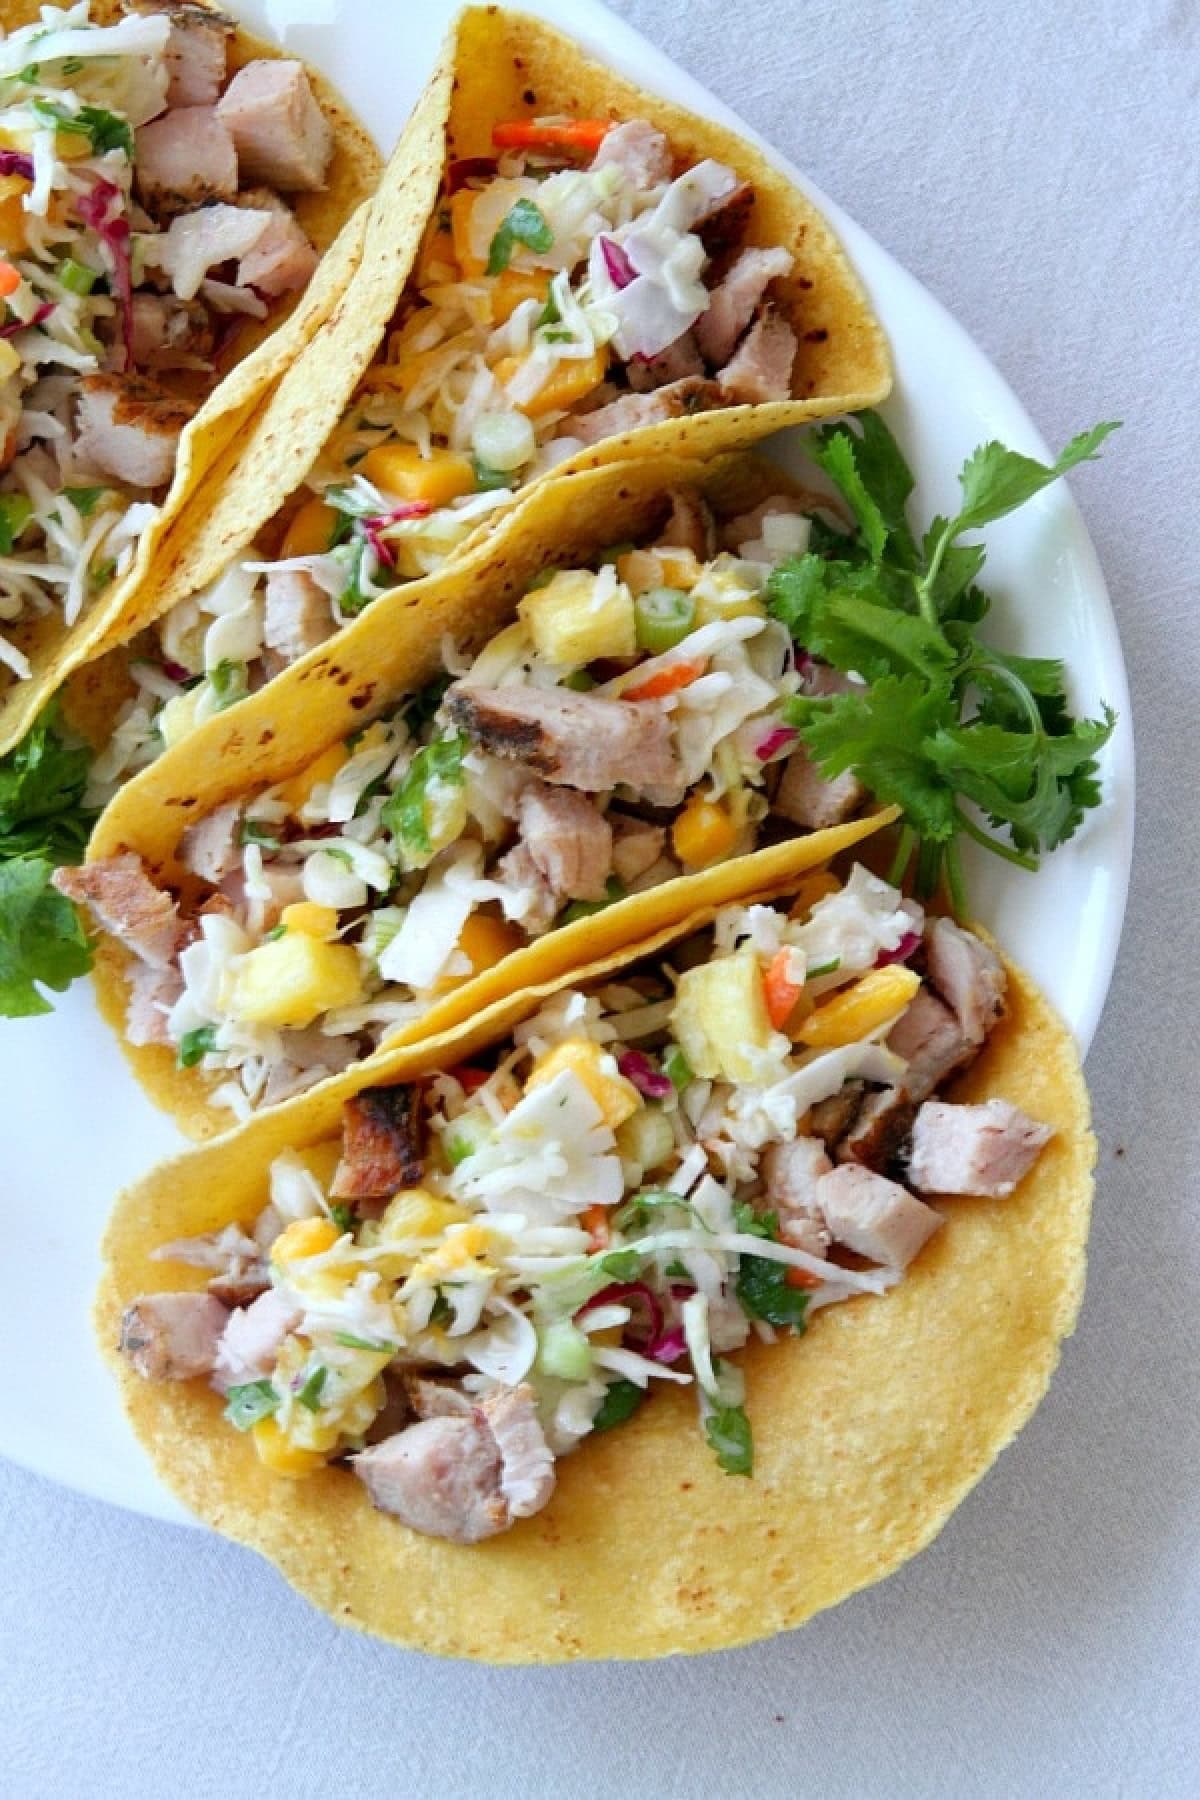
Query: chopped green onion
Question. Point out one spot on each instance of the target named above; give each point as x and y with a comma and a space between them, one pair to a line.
487, 478
342, 1216
228, 683
564, 1352
622, 1265
276, 931
84, 499
663, 617
677, 1068
351, 1342
502, 442
102, 573
310, 1393
256, 831
580, 682
76, 277
195, 1044
246, 1404
825, 968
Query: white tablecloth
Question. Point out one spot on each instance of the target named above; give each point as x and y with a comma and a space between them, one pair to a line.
1035, 164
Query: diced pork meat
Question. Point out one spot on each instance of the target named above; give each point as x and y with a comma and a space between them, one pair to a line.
968, 975
210, 848
722, 228
791, 1172
875, 1217
639, 150
983, 1150
152, 994
282, 136
637, 846
124, 901
632, 412
196, 50
463, 1477
690, 525
569, 840
761, 367
931, 1041
436, 1399
283, 258
129, 428
169, 333
185, 159
241, 1287
808, 798
172, 1337
297, 615
830, 1119
678, 361
381, 1144
879, 1132
196, 242
573, 740
529, 901
733, 303
240, 1273
250, 1341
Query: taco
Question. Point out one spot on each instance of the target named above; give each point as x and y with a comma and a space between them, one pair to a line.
167, 184
551, 742
498, 332
684, 1266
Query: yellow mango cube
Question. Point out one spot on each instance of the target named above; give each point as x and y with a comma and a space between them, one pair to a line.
720, 1017
310, 530
302, 1238
416, 1213
571, 379
281, 1456
509, 290
290, 981
400, 469
10, 360
462, 205
305, 915
855, 1012
578, 617
295, 791
705, 832
617, 1098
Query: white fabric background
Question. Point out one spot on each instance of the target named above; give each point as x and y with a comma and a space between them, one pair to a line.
1035, 165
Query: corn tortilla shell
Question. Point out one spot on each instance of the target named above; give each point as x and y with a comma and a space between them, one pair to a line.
396, 647
336, 221
868, 1431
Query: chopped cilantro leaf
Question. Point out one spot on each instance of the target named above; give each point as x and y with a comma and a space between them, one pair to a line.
405, 812
42, 943
763, 1293
525, 224
343, 1216
104, 130
194, 1045
619, 1403
727, 1430
256, 831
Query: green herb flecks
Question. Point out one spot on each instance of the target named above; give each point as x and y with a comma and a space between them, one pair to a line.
727, 1430
195, 1045
525, 224
405, 813
249, 1402
619, 1403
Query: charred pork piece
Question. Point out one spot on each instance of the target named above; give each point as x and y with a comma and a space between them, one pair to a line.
574, 740
381, 1144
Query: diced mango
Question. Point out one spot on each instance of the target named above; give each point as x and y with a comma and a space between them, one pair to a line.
720, 1017
310, 532
415, 1213
305, 915
10, 360
13, 235
720, 595
704, 832
289, 981
304, 1237
281, 1456
667, 566
462, 205
817, 886
296, 789
577, 618
509, 290
855, 1012
72, 146
400, 469
617, 1098
454, 1254
571, 379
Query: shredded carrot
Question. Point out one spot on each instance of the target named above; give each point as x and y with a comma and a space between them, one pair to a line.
527, 134
779, 990
800, 1278
10, 280
594, 1220
468, 1078
667, 680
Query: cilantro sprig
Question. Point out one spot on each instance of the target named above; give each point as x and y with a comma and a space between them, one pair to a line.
525, 223
43, 823
946, 721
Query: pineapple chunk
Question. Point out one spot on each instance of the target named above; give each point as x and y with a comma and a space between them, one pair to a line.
415, 1213
178, 717
668, 566
617, 1098
723, 593
290, 981
579, 617
720, 1018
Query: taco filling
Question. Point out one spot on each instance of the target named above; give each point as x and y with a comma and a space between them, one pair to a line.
503, 1257
141, 228
578, 285
625, 730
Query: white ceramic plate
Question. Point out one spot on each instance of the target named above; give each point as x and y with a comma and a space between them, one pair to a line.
78, 1128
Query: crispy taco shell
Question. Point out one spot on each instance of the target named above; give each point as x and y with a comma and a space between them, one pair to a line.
335, 219
394, 649
868, 1431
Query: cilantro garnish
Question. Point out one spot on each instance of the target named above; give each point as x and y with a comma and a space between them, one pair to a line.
622, 1265
404, 811
946, 719
194, 1045
525, 224
343, 1216
763, 1293
619, 1403
104, 130
41, 938
728, 1432
42, 783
